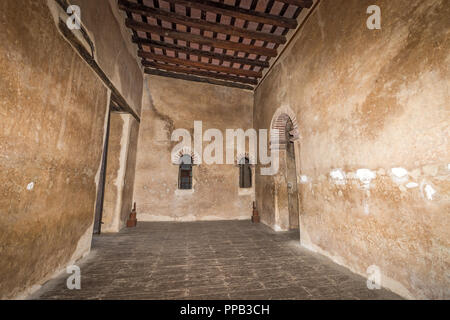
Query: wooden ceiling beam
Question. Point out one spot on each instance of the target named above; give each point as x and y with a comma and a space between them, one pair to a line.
196, 79
299, 3
249, 15
197, 64
198, 23
199, 53
168, 67
216, 43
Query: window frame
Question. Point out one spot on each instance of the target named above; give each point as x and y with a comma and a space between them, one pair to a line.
188, 168
242, 167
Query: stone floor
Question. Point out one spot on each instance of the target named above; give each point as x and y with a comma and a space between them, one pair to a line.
208, 260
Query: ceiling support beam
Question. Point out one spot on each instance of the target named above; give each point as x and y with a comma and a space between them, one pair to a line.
182, 69
299, 3
216, 43
196, 79
198, 23
200, 53
197, 64
249, 15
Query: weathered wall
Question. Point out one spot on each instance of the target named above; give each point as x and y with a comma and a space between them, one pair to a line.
377, 100
130, 171
116, 55
121, 162
114, 52
171, 104
52, 109
52, 137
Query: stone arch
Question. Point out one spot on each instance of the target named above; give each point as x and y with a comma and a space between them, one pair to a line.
177, 155
279, 120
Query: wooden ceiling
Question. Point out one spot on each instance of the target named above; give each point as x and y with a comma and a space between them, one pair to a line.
223, 42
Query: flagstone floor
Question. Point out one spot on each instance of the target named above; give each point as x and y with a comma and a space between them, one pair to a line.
208, 260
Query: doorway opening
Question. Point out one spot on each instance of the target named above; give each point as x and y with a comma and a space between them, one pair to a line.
291, 178
101, 184
285, 139
114, 108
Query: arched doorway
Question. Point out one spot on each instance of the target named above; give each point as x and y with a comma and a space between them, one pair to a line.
285, 139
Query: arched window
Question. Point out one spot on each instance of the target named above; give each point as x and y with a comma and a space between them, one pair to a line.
185, 173
245, 173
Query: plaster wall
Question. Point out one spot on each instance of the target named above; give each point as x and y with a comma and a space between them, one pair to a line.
171, 104
376, 100
120, 173
114, 52
372, 159
52, 109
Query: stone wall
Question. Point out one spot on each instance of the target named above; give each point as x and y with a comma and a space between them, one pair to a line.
375, 100
171, 104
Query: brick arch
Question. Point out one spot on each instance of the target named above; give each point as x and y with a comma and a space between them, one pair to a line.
279, 120
251, 158
176, 156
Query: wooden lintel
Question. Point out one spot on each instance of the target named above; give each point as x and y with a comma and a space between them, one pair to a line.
196, 79
199, 23
191, 71
200, 65
248, 15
